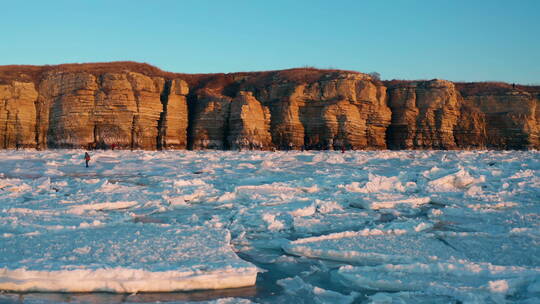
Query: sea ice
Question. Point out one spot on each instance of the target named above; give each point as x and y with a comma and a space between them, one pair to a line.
463, 280
319, 225
302, 290
373, 247
123, 258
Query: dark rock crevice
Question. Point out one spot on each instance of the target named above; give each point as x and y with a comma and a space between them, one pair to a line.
162, 122
227, 145
6, 131
191, 103
133, 141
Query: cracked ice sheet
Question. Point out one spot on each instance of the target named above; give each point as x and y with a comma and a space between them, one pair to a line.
123, 258
486, 193
503, 249
300, 290
375, 246
466, 281
492, 217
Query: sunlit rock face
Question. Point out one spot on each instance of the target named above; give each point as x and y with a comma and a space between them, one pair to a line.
470, 130
336, 110
437, 115
275, 110
210, 121
17, 115
174, 118
120, 109
510, 120
424, 115
136, 106
249, 123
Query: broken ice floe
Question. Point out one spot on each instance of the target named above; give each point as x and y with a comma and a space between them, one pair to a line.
287, 212
123, 258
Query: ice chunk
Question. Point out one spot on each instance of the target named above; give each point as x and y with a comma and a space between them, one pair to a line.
372, 247
176, 201
408, 297
379, 183
462, 280
511, 249
42, 183
273, 223
483, 217
491, 207
123, 258
187, 183
305, 291
227, 196
328, 206
106, 206
300, 209
325, 223
413, 202
454, 182
268, 189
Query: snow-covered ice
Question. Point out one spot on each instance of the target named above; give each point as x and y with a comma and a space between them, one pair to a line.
461, 280
318, 227
123, 258
373, 247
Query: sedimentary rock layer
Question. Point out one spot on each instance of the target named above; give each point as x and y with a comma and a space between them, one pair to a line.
424, 115
136, 106
509, 120
122, 109
17, 115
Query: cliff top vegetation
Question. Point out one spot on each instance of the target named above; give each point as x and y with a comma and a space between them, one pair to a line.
32, 73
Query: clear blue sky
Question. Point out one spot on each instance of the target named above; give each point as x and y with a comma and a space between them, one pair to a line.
469, 40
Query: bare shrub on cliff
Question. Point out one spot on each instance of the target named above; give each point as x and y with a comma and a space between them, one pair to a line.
220, 81
375, 76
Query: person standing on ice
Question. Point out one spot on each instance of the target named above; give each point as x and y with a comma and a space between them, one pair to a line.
86, 158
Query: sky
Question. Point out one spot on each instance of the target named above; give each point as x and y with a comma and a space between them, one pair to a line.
458, 40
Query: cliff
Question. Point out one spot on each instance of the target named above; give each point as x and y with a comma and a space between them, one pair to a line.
424, 115
505, 117
137, 106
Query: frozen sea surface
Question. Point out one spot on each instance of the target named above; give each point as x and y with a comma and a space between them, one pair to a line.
283, 227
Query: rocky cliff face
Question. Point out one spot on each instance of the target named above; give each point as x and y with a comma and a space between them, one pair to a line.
249, 123
424, 115
210, 120
437, 115
508, 120
470, 130
173, 121
338, 109
127, 109
136, 106
17, 115
276, 110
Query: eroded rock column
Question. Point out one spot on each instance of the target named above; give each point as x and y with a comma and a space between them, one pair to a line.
174, 118
67, 110
249, 124
210, 121
424, 115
